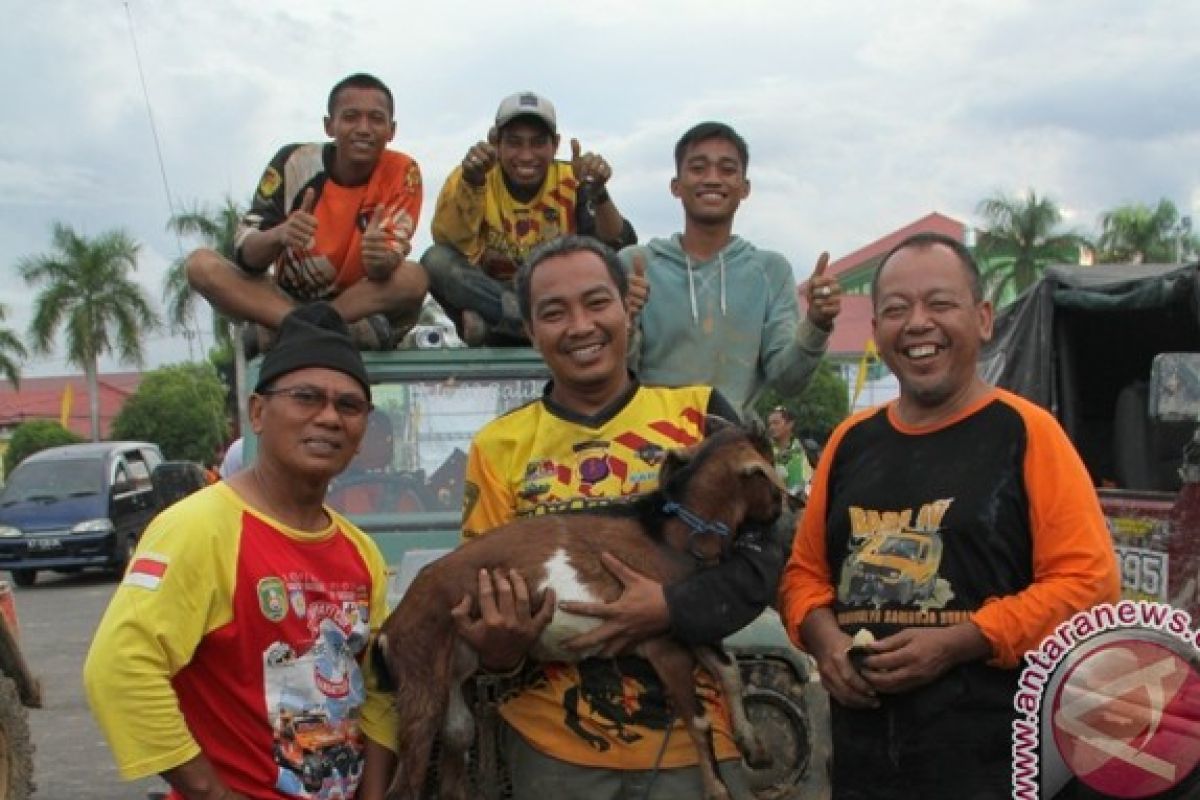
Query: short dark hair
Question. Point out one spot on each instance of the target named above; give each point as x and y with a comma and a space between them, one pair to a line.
925, 240
784, 412
565, 245
361, 80
711, 130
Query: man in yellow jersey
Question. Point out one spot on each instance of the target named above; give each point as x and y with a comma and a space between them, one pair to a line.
603, 728
509, 195
231, 659
329, 221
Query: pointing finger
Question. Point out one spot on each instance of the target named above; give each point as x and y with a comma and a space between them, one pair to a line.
309, 202
620, 570
576, 150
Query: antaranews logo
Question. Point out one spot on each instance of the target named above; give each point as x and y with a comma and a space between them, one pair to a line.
1112, 698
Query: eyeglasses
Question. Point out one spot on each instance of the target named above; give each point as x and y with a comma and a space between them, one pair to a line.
313, 399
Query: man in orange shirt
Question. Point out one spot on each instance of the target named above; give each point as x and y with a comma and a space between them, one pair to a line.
959, 527
333, 220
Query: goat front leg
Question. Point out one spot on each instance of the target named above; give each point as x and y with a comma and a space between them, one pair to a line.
458, 727
725, 670
674, 665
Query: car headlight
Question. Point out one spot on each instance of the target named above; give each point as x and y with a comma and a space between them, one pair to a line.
9, 531
101, 525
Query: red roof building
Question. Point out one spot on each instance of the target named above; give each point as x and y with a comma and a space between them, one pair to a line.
42, 398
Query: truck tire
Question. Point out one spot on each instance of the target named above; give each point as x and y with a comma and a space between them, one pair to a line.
793, 717
16, 746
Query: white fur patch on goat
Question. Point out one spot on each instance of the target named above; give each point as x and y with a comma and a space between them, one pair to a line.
564, 580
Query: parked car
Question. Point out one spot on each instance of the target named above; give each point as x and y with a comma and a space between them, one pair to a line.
76, 506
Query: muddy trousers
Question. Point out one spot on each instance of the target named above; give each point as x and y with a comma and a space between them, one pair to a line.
458, 285
539, 777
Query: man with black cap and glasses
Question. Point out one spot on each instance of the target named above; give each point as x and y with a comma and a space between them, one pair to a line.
508, 196
244, 618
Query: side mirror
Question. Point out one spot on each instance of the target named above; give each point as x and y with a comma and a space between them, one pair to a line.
1174, 392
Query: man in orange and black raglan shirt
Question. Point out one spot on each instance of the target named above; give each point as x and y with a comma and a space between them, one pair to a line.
334, 221
959, 526
508, 196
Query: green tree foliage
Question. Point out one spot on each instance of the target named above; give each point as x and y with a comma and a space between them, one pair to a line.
822, 405
180, 408
216, 229
1021, 239
33, 436
87, 291
1136, 233
11, 350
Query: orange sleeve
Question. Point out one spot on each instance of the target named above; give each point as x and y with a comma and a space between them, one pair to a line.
400, 191
1074, 565
807, 583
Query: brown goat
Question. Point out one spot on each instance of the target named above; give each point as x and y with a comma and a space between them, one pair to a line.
704, 495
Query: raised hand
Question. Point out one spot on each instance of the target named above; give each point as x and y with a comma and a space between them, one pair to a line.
478, 160
589, 168
381, 249
300, 230
639, 287
823, 294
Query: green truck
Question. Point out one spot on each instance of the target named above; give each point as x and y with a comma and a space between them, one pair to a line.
405, 489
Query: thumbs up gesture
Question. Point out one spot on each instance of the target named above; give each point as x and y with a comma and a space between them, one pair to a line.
382, 250
589, 168
300, 230
639, 287
823, 295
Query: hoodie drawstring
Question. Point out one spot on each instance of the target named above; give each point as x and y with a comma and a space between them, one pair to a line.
692, 286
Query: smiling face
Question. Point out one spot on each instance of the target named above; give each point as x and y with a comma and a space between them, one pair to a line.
711, 182
304, 442
578, 324
525, 149
361, 126
929, 328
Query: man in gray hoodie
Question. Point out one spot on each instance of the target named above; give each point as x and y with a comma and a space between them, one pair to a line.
720, 311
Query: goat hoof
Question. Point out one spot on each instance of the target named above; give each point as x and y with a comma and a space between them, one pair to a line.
755, 754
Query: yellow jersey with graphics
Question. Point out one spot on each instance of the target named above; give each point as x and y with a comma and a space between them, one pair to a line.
540, 459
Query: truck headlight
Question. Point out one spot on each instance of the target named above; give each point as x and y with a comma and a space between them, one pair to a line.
9, 531
101, 525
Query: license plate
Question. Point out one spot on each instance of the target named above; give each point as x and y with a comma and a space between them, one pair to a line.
45, 544
1143, 573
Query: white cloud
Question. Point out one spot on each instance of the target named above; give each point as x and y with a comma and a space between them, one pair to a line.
861, 116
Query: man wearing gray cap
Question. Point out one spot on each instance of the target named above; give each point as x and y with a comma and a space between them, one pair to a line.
245, 615
488, 219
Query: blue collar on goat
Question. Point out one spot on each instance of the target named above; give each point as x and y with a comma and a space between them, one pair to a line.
698, 525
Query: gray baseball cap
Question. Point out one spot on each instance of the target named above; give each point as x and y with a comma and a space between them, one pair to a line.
526, 104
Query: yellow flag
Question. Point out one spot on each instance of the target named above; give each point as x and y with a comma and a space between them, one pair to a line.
68, 399
869, 357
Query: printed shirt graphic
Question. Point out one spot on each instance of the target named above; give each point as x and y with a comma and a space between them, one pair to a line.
493, 229
343, 212
263, 631
602, 713
910, 527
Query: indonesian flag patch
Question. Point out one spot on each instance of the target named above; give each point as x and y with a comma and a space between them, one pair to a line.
147, 571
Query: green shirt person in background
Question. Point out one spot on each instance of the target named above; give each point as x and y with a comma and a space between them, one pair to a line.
791, 459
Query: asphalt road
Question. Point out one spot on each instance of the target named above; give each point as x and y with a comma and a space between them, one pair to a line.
72, 761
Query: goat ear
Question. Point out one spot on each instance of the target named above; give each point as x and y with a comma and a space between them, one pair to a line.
759, 467
675, 460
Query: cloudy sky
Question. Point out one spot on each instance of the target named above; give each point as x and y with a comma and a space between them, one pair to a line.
861, 116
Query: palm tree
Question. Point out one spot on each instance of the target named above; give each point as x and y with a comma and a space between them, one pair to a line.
1139, 234
217, 229
88, 292
1020, 241
10, 345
